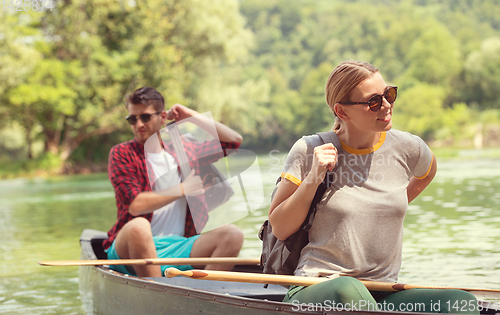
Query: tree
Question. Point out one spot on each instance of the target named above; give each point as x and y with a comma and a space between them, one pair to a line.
434, 57
482, 74
18, 58
419, 109
93, 52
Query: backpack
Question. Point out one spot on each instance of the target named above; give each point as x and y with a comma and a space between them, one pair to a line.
282, 257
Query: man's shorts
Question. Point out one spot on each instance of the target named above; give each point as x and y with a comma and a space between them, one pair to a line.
172, 246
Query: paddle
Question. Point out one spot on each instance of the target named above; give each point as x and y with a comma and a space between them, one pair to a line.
307, 281
156, 261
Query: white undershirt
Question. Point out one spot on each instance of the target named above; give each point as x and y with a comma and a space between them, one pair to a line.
169, 219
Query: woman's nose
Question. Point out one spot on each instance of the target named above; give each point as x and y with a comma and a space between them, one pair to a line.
386, 104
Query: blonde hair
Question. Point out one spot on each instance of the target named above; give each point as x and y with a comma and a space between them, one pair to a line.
343, 80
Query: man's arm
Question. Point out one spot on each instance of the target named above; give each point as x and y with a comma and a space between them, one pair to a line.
224, 133
149, 201
416, 186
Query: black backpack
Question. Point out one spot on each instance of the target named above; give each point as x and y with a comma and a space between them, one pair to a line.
282, 257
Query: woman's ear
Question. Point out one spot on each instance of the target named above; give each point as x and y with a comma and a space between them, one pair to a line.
340, 112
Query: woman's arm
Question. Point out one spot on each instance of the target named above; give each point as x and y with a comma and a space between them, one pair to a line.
416, 186
289, 207
291, 203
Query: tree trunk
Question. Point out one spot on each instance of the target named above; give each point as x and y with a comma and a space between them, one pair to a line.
69, 144
28, 126
50, 144
29, 143
52, 132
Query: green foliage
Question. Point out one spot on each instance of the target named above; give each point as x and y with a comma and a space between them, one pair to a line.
12, 142
458, 124
482, 74
93, 53
434, 57
260, 66
48, 162
419, 109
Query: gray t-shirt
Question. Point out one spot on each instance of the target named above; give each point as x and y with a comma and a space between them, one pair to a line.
358, 227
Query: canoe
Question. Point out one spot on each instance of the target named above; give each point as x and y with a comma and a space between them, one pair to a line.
104, 291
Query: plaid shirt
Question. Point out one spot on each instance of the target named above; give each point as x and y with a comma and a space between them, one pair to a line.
129, 176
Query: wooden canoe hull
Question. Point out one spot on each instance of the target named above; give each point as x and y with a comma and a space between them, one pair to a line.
104, 291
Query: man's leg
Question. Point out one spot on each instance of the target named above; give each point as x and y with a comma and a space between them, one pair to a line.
225, 241
135, 241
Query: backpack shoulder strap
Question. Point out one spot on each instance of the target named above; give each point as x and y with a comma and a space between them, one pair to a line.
326, 137
331, 137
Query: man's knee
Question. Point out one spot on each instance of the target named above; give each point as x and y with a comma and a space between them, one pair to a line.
138, 229
233, 235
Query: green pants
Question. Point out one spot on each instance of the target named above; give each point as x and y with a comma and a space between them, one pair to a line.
350, 293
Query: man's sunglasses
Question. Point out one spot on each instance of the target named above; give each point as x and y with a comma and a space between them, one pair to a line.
132, 119
375, 102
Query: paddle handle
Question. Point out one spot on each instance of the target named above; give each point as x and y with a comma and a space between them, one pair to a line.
156, 261
243, 277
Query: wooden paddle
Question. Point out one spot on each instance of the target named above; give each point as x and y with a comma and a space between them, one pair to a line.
156, 261
307, 281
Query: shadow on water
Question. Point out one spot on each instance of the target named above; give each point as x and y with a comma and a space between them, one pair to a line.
452, 232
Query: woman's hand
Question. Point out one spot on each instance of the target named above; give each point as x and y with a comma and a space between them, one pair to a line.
325, 159
192, 185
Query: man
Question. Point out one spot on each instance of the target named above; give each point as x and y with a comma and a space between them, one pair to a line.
132, 237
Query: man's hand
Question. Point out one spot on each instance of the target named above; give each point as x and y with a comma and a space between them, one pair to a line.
220, 132
179, 112
192, 185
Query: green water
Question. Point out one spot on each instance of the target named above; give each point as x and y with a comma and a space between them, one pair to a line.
452, 232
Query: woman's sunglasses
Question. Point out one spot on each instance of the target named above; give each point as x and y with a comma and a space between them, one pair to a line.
375, 102
132, 119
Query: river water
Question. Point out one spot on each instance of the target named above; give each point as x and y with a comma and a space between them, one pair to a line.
452, 231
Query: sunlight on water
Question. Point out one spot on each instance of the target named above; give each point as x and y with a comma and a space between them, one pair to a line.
452, 232
454, 238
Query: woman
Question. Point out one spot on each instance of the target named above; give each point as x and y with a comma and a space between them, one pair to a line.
357, 232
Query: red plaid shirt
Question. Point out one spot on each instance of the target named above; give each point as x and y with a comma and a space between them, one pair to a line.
129, 176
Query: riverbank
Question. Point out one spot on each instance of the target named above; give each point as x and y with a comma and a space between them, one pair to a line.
50, 166
15, 169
